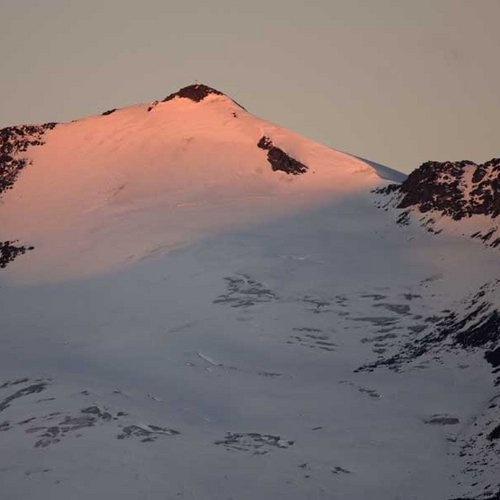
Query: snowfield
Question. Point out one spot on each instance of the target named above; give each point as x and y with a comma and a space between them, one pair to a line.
194, 324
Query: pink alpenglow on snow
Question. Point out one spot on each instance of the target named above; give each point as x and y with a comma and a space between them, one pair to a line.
104, 191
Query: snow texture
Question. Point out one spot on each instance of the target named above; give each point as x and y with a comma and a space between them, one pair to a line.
194, 324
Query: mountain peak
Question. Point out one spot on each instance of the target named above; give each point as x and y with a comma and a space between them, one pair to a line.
196, 92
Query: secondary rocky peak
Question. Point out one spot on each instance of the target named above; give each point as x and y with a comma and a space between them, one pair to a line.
457, 189
454, 190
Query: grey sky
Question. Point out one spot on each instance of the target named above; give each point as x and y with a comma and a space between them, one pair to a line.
398, 82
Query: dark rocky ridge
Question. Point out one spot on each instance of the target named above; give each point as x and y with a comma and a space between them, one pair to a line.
280, 160
456, 189
475, 324
196, 92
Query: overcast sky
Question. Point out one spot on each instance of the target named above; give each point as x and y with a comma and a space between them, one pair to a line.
395, 81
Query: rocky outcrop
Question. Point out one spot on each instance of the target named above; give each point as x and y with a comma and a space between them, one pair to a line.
454, 190
280, 160
13, 142
196, 92
9, 251
473, 325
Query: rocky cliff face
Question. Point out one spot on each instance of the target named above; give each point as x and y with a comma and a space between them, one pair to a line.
454, 191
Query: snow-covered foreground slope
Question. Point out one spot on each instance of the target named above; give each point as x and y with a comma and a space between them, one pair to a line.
222, 330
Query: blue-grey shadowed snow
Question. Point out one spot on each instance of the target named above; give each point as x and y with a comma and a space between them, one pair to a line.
386, 173
203, 373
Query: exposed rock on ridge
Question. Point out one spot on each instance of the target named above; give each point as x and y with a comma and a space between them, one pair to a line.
454, 190
9, 251
13, 141
196, 92
280, 160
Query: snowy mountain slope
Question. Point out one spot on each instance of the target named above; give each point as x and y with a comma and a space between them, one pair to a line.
139, 180
195, 322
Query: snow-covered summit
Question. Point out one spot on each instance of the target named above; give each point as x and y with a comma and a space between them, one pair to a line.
196, 93
105, 190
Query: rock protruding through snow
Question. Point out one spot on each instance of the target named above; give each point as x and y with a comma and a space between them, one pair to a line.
13, 142
280, 160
